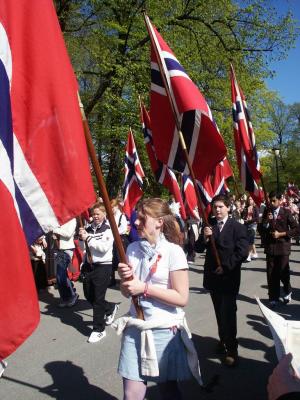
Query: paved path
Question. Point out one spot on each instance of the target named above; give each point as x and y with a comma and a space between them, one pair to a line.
57, 362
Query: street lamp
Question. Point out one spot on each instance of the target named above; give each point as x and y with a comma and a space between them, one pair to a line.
276, 154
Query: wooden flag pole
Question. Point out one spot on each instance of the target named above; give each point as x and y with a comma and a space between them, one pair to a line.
106, 201
237, 192
181, 138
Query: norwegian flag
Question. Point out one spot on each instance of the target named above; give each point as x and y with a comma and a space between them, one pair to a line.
244, 138
134, 174
221, 173
189, 197
162, 173
187, 109
43, 153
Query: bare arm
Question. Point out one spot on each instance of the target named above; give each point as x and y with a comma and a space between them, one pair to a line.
176, 296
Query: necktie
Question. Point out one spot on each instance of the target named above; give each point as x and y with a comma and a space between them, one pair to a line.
220, 225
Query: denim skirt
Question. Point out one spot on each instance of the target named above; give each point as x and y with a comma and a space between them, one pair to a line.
170, 352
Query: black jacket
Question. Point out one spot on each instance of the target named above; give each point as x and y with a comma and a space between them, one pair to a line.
232, 246
284, 223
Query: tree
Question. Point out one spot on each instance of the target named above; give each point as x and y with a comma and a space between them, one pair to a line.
109, 48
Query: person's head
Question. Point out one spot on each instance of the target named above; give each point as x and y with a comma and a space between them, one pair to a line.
237, 203
153, 217
98, 213
220, 206
115, 205
275, 199
250, 201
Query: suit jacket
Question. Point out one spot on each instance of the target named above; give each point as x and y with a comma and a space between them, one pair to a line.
284, 222
232, 246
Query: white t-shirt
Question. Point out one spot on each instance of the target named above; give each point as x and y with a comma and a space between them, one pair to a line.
172, 259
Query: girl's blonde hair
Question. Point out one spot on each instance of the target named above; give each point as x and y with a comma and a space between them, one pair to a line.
158, 208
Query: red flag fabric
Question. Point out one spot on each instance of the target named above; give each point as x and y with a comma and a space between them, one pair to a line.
205, 145
134, 174
221, 173
189, 197
244, 138
74, 268
48, 159
162, 172
18, 299
44, 176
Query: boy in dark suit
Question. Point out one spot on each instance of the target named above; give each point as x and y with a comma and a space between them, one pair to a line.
279, 226
223, 281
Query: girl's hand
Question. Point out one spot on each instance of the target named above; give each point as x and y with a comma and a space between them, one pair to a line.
124, 271
133, 287
82, 234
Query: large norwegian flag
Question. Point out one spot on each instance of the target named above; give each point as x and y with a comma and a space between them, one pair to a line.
204, 144
44, 176
244, 138
134, 174
163, 174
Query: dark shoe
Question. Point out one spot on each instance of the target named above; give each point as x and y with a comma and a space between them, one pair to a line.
273, 303
72, 301
221, 348
231, 359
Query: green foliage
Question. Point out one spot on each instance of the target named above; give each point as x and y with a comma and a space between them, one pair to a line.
109, 48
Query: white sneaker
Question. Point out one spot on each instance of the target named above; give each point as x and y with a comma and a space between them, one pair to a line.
110, 318
287, 299
248, 259
96, 336
254, 256
3, 365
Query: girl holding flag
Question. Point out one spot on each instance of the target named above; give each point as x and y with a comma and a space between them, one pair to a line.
154, 349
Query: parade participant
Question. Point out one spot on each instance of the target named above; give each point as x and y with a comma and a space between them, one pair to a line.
122, 224
279, 227
192, 234
284, 384
38, 260
237, 212
160, 279
294, 211
64, 243
97, 241
250, 216
223, 281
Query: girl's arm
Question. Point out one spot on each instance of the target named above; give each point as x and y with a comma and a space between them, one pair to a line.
176, 296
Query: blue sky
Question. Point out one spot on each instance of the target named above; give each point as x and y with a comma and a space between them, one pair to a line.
287, 80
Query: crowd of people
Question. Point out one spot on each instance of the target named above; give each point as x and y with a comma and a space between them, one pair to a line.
159, 248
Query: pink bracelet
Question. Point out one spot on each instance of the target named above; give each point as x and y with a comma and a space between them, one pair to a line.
146, 290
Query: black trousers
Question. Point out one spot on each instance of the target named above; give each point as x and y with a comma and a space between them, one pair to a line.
190, 245
95, 286
225, 310
278, 269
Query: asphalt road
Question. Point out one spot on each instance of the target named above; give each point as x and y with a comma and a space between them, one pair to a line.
57, 362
